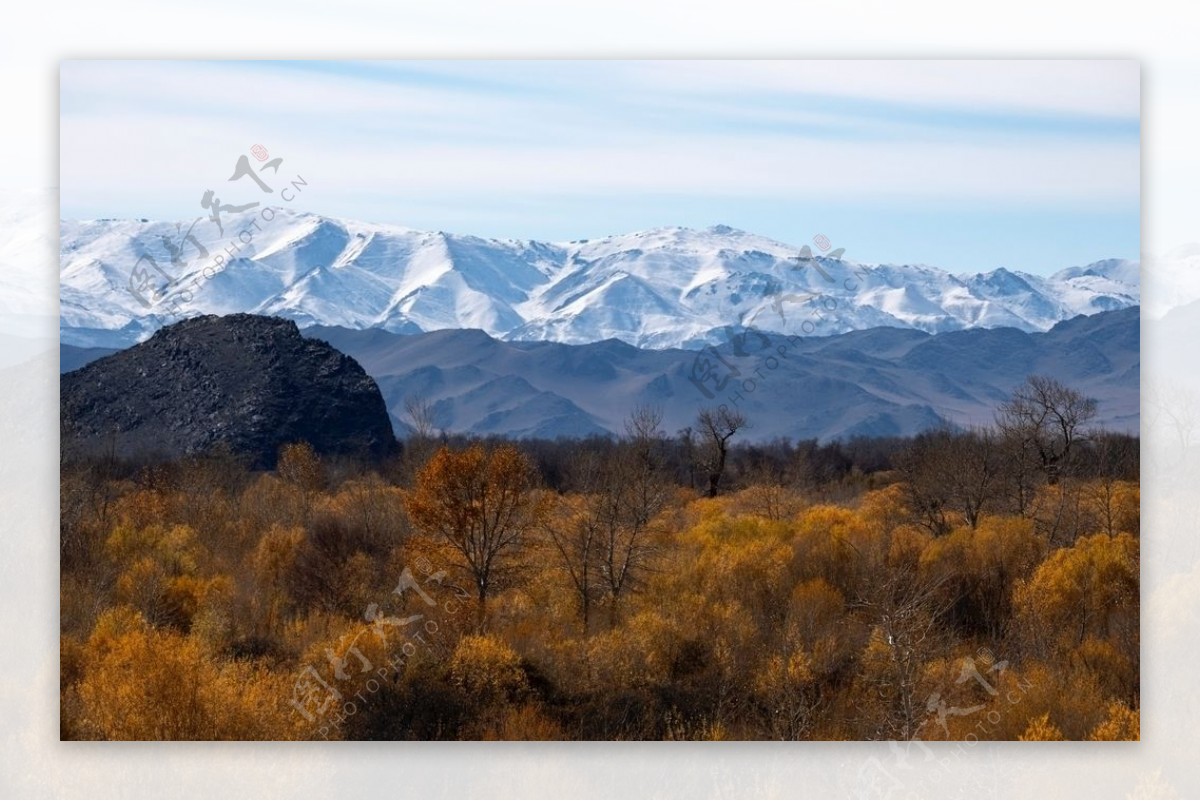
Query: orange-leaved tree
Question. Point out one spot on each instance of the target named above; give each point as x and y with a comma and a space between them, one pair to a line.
482, 503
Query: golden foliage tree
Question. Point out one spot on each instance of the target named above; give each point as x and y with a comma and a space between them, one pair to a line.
482, 504
273, 559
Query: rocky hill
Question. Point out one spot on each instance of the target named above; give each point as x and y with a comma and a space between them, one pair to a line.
251, 383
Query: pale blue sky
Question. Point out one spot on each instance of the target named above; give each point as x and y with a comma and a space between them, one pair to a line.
963, 165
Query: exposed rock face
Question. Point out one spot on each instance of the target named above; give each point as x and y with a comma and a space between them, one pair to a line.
248, 382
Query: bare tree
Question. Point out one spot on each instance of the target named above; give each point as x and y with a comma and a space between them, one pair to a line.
717, 426
907, 610
576, 533
947, 474
604, 540
977, 472
421, 444
633, 489
686, 437
908, 616
1021, 474
419, 411
1047, 418
642, 466
1112, 455
644, 424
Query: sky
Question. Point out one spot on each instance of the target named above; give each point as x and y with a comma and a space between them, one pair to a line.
963, 165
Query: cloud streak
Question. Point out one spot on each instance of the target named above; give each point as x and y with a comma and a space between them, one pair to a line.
146, 138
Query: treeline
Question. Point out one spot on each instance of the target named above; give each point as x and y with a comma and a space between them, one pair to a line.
835, 468
648, 586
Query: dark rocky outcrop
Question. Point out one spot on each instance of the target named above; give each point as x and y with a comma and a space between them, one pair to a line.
243, 382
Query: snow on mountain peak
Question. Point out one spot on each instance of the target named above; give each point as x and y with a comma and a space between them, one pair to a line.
663, 287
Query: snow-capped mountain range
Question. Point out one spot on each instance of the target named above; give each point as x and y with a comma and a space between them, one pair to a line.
663, 288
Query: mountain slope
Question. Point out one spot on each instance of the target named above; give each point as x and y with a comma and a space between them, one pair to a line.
877, 382
665, 288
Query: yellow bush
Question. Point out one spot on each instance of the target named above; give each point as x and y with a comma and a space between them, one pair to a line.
526, 722
745, 558
1122, 723
1041, 729
832, 543
640, 653
139, 509
1090, 588
979, 568
885, 508
145, 684
173, 547
487, 669
816, 623
770, 501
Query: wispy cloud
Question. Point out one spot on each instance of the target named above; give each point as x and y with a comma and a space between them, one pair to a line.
147, 138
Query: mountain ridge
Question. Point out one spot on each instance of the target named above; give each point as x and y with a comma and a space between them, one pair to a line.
661, 288
883, 381
879, 381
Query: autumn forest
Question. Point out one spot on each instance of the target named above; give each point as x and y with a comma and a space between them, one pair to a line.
697, 584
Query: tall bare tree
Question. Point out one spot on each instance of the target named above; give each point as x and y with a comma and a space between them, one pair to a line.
633, 489
575, 530
642, 466
1047, 419
605, 542
717, 426
419, 411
